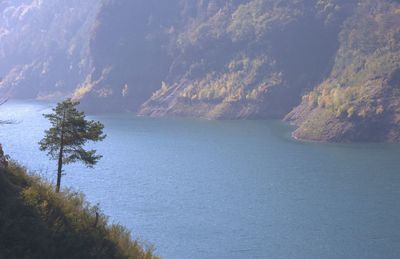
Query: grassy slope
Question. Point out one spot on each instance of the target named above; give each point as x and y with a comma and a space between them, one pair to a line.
36, 222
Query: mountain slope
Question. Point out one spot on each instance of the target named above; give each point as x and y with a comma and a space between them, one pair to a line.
36, 222
44, 46
257, 57
360, 100
214, 59
329, 66
128, 48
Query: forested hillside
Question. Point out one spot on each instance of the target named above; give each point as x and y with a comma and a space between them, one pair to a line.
258, 57
331, 66
44, 46
214, 59
360, 100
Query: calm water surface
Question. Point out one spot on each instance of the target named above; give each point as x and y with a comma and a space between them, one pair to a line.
231, 189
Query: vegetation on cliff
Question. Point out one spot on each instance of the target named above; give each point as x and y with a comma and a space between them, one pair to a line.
214, 59
44, 46
257, 57
360, 100
331, 66
260, 59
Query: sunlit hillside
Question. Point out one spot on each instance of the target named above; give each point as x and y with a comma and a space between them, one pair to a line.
338, 60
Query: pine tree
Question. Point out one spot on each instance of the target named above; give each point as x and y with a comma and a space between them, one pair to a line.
68, 134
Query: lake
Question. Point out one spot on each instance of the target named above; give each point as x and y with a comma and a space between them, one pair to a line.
229, 189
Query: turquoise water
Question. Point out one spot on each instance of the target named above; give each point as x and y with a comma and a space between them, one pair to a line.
231, 189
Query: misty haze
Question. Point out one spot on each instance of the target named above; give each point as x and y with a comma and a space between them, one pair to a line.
152, 129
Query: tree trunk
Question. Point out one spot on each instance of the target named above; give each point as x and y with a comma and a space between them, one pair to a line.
59, 171
60, 155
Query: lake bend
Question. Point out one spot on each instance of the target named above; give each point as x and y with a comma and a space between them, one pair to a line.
228, 189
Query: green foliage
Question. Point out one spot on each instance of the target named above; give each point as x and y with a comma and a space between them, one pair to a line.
71, 130
361, 94
247, 58
254, 20
68, 134
362, 101
233, 85
36, 222
369, 53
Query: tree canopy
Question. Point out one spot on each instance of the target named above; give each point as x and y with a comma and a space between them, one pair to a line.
69, 132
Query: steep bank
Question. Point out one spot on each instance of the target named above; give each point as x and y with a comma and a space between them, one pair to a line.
360, 100
35, 222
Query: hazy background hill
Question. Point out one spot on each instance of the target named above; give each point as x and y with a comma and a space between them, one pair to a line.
331, 66
44, 46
